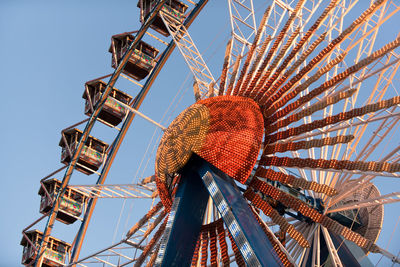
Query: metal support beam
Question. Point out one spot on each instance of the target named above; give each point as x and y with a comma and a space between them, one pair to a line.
249, 237
185, 220
116, 190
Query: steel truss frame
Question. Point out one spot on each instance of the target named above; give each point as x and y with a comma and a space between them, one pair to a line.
204, 81
243, 29
124, 252
116, 190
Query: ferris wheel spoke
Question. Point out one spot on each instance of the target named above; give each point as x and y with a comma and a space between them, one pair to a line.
380, 88
333, 26
250, 54
149, 247
275, 240
347, 124
364, 47
392, 156
372, 167
234, 73
382, 200
385, 72
225, 67
203, 77
347, 190
386, 75
116, 190
371, 28
121, 252
302, 171
350, 186
243, 22
392, 257
292, 244
263, 72
243, 28
276, 217
298, 251
315, 260
280, 147
386, 127
150, 228
304, 256
146, 219
322, 55
300, 15
295, 181
352, 172
295, 32
310, 236
324, 87
381, 133
331, 248
112, 253
258, 69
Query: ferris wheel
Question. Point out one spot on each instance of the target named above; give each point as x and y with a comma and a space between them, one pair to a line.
278, 161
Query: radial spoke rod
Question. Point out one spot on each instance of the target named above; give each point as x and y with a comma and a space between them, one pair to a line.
137, 112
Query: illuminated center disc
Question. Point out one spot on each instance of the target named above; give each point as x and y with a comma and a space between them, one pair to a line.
184, 136
226, 131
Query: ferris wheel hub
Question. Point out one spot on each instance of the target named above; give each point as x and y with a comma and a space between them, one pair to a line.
224, 130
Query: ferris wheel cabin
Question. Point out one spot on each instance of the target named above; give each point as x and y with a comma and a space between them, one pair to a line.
92, 155
113, 111
54, 254
71, 203
142, 60
174, 8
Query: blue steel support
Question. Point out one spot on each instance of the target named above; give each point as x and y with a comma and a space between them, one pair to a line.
184, 221
249, 237
234, 209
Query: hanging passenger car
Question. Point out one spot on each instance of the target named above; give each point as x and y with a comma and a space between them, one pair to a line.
142, 60
54, 253
71, 203
113, 111
174, 8
92, 155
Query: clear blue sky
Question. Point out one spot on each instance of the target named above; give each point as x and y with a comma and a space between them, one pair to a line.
49, 49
